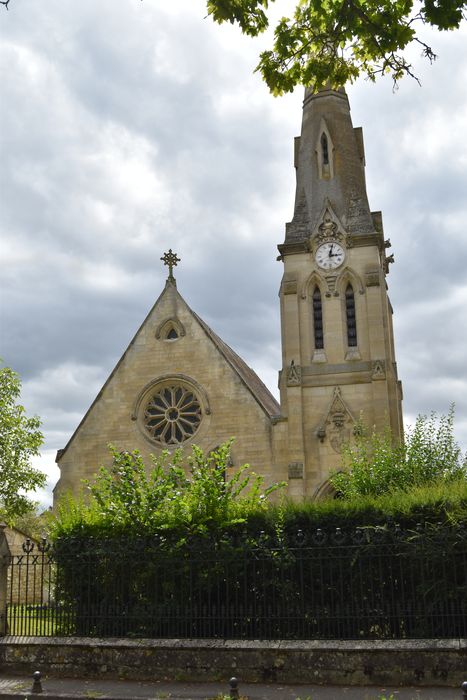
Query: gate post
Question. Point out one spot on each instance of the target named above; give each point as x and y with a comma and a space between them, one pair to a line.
5, 557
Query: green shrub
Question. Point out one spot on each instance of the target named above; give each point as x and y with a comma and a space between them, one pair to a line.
127, 498
375, 464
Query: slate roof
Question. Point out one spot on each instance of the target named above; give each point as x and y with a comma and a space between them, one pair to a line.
247, 375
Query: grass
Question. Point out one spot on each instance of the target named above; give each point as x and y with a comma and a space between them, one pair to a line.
36, 620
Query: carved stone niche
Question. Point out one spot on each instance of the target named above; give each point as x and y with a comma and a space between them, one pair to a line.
295, 470
338, 424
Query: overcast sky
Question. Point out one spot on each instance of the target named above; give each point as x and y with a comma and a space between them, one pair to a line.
130, 127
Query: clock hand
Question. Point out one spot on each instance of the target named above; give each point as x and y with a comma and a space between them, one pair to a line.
330, 250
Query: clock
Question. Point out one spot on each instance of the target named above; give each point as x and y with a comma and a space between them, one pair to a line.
329, 255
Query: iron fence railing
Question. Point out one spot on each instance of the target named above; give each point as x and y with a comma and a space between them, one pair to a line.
373, 583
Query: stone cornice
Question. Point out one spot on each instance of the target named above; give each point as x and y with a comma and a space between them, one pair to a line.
365, 239
294, 248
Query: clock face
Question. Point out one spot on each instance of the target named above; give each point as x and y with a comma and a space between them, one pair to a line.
330, 255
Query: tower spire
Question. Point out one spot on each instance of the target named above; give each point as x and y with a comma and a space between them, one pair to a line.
338, 358
330, 165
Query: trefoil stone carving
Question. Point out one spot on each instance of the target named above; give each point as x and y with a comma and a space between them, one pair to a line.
378, 370
294, 374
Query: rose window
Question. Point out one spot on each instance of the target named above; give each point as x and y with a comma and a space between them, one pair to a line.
172, 415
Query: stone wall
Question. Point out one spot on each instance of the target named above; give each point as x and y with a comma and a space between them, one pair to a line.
26, 587
406, 662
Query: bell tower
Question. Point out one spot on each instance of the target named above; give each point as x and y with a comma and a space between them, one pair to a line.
338, 358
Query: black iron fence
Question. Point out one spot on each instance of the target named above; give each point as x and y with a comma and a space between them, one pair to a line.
379, 583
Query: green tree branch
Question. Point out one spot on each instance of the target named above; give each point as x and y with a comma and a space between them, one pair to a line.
20, 439
335, 41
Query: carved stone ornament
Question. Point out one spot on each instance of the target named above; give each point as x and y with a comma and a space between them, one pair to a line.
378, 370
338, 424
296, 470
388, 260
294, 374
329, 228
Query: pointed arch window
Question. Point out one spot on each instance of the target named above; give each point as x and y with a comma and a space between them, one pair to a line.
324, 149
318, 319
171, 329
350, 316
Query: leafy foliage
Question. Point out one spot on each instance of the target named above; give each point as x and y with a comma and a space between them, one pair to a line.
375, 464
20, 439
129, 498
334, 41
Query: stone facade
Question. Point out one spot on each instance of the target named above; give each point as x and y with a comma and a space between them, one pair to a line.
338, 357
232, 401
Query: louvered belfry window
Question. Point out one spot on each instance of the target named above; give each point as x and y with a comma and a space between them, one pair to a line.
318, 319
350, 316
325, 149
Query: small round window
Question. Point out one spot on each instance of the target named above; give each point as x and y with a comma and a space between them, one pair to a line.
172, 414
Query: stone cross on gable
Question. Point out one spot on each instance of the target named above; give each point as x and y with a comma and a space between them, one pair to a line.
170, 259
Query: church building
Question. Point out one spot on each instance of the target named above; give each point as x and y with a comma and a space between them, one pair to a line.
178, 383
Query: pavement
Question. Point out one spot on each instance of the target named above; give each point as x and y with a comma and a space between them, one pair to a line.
19, 688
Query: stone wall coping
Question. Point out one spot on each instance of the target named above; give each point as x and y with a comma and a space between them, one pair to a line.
346, 645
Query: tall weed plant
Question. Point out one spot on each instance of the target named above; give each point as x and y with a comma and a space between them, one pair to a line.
375, 464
